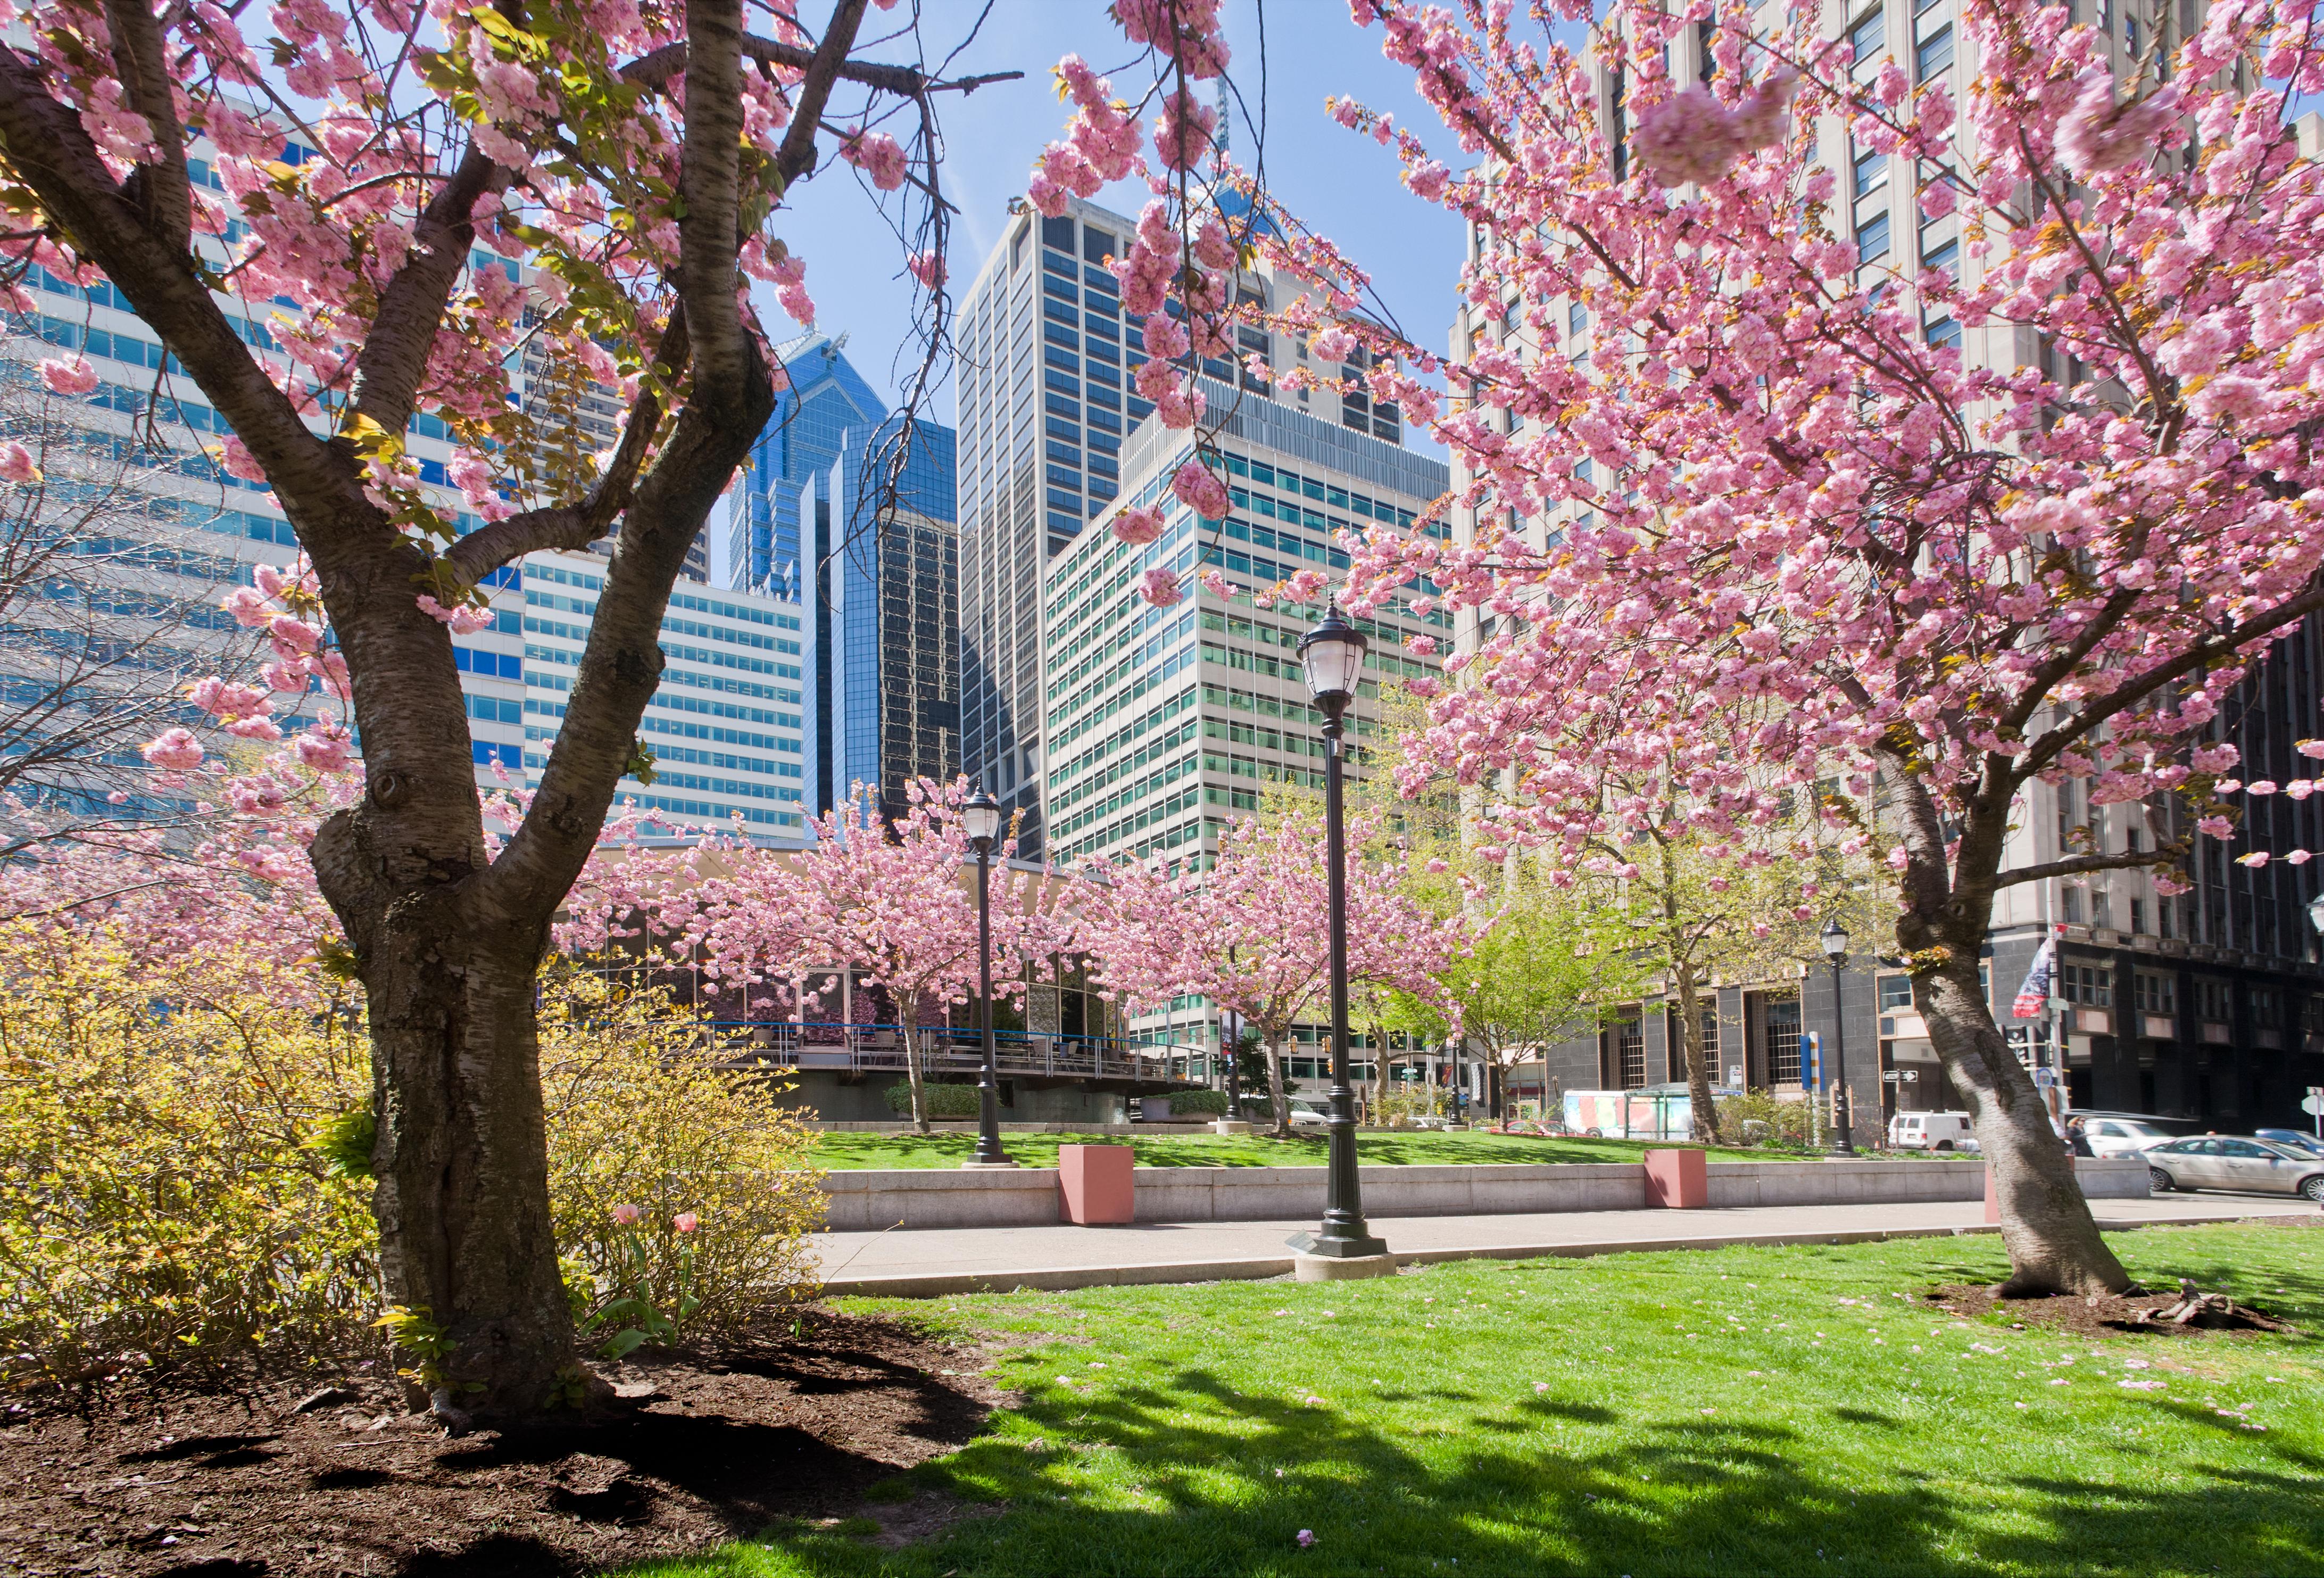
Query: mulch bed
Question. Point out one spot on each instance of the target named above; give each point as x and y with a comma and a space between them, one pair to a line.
145, 1480
2111, 1316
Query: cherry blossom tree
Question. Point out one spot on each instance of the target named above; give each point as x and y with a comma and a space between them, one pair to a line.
889, 900
1828, 543
629, 164
1251, 932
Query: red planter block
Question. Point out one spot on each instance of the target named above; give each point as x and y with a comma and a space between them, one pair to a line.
1094, 1185
1678, 1179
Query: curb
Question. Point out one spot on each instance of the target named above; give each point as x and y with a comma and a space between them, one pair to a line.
1064, 1279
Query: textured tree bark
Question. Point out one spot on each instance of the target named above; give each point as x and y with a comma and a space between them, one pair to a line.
2054, 1243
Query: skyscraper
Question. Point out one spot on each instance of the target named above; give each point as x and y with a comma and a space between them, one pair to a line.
844, 513
1045, 407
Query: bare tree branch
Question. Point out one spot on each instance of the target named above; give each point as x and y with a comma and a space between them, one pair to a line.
2074, 865
575, 526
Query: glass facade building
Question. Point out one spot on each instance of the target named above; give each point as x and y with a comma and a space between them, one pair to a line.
850, 518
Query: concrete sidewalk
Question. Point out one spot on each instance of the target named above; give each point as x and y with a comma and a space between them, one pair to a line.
993, 1260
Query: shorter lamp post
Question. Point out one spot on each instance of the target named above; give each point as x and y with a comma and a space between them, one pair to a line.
1834, 939
980, 818
1332, 654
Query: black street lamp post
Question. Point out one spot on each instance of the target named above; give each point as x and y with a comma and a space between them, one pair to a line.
1334, 656
980, 818
1834, 937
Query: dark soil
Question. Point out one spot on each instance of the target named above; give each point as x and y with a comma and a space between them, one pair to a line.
2093, 1317
151, 1481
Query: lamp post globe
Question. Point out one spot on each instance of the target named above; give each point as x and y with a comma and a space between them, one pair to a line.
1332, 654
1834, 940
980, 818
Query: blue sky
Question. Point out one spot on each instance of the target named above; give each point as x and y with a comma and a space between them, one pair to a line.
1344, 185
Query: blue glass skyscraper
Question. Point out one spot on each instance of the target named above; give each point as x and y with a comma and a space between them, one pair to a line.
843, 512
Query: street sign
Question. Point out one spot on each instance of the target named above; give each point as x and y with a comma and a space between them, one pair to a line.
2043, 1078
1734, 1074
2313, 1104
1902, 1076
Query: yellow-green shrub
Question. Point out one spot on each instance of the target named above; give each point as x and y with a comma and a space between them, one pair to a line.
155, 1194
643, 1113
182, 1138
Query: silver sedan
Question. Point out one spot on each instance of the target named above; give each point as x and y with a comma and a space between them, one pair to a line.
2210, 1161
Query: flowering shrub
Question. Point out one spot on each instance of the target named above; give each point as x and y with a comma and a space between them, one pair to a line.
158, 1197
1190, 1102
676, 1186
185, 1152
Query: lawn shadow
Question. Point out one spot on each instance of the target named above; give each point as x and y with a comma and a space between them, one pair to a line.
1186, 1476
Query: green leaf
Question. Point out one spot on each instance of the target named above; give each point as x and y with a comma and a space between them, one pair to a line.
641, 765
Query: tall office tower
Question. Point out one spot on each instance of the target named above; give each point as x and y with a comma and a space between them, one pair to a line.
851, 519
2206, 1005
1162, 724
1044, 359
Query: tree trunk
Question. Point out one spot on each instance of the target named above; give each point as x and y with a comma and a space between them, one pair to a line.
914, 1077
462, 1164
1281, 1098
1699, 1101
2054, 1243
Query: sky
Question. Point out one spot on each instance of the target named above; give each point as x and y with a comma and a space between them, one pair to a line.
1341, 184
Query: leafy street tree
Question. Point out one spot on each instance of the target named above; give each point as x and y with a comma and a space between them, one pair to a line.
635, 159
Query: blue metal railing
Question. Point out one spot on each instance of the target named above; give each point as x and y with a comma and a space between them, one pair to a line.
946, 1049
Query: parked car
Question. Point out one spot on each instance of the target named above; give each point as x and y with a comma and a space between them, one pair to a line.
1930, 1132
2291, 1138
2120, 1136
2214, 1161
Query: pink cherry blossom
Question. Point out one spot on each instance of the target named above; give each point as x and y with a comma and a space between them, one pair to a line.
68, 375
1159, 586
1138, 526
1202, 490
16, 464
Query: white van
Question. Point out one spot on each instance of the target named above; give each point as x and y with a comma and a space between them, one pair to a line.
1930, 1132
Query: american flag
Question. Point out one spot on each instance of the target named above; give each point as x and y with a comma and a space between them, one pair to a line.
2033, 997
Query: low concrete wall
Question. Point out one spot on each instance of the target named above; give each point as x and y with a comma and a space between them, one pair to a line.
1266, 1193
871, 1201
909, 1198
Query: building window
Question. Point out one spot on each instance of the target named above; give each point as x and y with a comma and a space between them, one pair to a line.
2071, 901
1872, 238
1896, 994
1630, 1044
1871, 173
1784, 1041
1945, 259
1868, 37
1934, 55
2137, 915
2155, 994
2087, 984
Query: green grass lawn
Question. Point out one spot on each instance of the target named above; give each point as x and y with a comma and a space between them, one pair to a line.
1780, 1411
844, 1152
